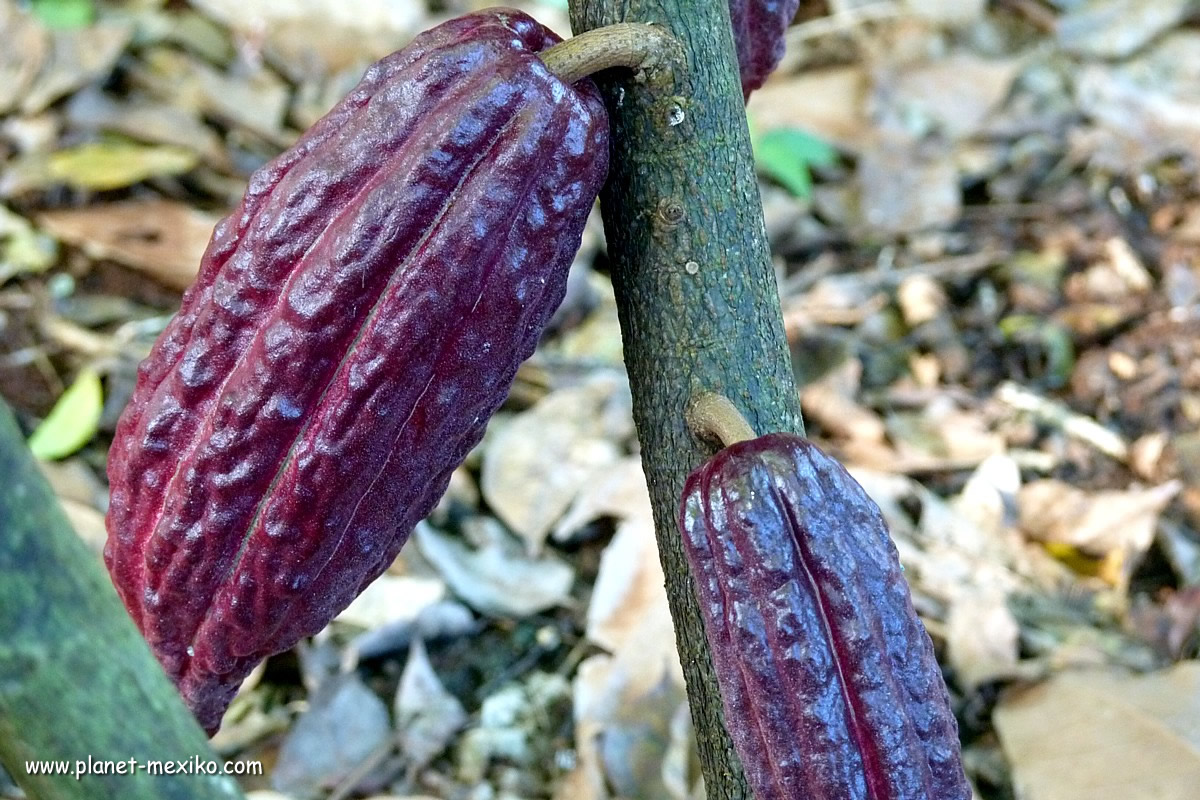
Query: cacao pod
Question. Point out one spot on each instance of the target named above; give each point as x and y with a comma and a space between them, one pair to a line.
355, 322
828, 678
758, 32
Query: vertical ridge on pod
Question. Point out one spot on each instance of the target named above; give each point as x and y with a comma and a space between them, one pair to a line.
355, 323
829, 680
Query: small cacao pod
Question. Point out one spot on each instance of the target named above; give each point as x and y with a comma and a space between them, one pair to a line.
827, 676
354, 324
758, 32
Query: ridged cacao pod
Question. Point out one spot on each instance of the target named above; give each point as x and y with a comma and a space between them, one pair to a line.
758, 30
354, 324
827, 676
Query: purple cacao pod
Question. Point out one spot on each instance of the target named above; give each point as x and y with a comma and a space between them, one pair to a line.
355, 323
758, 30
828, 678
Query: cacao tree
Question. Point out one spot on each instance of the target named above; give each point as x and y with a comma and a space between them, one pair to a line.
290, 381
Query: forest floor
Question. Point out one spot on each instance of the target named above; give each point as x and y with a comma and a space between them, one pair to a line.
985, 219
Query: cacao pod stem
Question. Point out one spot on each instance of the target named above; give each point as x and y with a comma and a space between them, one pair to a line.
713, 417
638, 46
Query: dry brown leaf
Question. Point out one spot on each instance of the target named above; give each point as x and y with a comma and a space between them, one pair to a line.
948, 12
312, 38
1097, 523
827, 103
77, 57
97, 166
942, 430
921, 299
257, 100
677, 773
596, 337
840, 415
948, 557
447, 619
427, 716
161, 238
72, 479
1146, 455
344, 726
88, 523
626, 706
1105, 736
1117, 28
26, 44
831, 402
989, 496
636, 747
146, 121
834, 300
955, 94
621, 493
629, 616
1145, 109
82, 496
629, 592
534, 467
1170, 623
393, 599
904, 189
497, 578
982, 637
966, 569
585, 781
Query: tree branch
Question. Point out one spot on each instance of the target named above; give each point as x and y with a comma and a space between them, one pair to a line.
696, 292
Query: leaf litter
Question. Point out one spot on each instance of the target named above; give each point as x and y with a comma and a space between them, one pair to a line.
986, 225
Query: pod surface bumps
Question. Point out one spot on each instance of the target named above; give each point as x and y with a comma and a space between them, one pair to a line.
355, 322
828, 678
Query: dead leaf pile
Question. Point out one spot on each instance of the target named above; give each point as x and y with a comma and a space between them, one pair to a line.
985, 219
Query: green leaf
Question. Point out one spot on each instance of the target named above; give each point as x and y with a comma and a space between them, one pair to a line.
117, 164
64, 13
73, 420
786, 154
1053, 339
23, 248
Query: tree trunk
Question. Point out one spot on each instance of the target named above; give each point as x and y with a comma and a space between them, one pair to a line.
696, 292
76, 680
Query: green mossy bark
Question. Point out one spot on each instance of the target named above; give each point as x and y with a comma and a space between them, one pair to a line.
76, 679
695, 288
